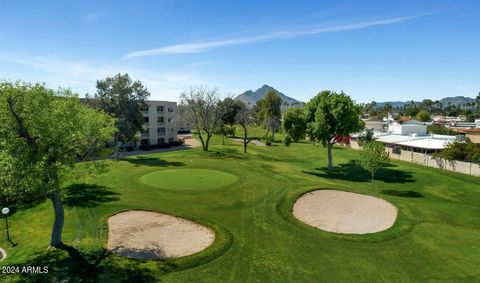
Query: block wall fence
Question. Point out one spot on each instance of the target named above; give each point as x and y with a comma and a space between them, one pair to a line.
427, 160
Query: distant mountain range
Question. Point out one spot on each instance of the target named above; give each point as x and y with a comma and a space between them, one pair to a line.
251, 97
445, 102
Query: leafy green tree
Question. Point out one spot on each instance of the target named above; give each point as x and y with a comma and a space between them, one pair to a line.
440, 130
269, 112
373, 157
424, 116
309, 111
370, 108
124, 99
387, 107
294, 123
411, 111
365, 137
453, 112
334, 115
427, 104
44, 133
460, 151
229, 109
287, 140
477, 100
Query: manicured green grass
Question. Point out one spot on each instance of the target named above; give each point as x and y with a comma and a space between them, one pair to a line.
189, 179
257, 131
435, 238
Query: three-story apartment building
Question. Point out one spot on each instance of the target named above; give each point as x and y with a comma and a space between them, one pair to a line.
159, 122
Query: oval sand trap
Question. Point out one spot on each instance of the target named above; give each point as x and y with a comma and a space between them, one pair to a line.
3, 254
191, 179
344, 212
152, 235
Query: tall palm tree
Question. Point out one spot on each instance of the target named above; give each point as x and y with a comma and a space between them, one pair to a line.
477, 100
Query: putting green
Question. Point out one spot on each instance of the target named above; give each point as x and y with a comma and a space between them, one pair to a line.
190, 179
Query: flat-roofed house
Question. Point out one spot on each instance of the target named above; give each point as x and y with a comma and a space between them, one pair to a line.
408, 127
374, 124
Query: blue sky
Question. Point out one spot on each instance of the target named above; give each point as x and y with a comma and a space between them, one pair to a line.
372, 50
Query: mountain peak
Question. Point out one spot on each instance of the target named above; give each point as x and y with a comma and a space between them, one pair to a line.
251, 97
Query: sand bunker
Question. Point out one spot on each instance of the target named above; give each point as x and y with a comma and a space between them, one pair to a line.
3, 254
344, 212
152, 235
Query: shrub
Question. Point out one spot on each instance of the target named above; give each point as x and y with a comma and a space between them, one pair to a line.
176, 143
269, 141
440, 130
287, 140
423, 116
160, 145
145, 147
365, 137
461, 151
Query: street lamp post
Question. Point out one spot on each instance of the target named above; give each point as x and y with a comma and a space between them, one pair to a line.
5, 212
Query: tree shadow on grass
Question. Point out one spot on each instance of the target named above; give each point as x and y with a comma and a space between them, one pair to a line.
352, 172
104, 268
152, 161
404, 194
225, 153
154, 252
87, 195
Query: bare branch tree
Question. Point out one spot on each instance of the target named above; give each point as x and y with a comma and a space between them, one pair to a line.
244, 118
201, 110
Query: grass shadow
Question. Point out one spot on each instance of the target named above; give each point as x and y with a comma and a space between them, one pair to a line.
152, 161
154, 252
352, 172
225, 153
404, 194
104, 269
87, 195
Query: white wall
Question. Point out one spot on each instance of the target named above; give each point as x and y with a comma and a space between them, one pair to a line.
376, 125
427, 160
407, 129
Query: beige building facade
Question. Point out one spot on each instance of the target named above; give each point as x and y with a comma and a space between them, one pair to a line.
159, 122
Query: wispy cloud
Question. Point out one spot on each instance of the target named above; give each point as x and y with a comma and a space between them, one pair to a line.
95, 16
196, 47
82, 76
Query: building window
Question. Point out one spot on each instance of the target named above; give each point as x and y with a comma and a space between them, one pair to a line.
145, 119
161, 119
170, 109
170, 140
160, 108
161, 130
171, 130
145, 130
170, 120
161, 140
144, 108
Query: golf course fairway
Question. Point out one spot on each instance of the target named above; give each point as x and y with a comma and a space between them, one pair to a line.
189, 179
247, 200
